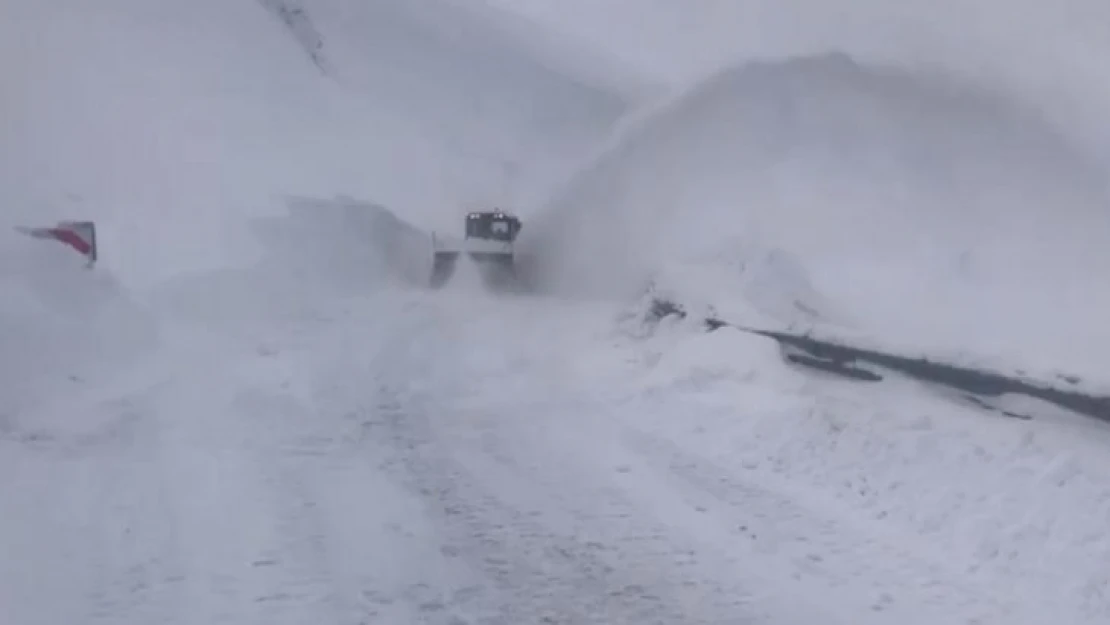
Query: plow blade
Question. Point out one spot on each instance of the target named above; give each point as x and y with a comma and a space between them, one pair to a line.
443, 267
495, 269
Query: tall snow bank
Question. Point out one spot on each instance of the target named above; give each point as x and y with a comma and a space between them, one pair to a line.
348, 243
320, 248
63, 328
921, 207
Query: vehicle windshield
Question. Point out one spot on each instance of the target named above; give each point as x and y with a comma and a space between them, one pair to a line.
490, 227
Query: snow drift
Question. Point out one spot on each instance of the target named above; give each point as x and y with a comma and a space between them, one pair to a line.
926, 210
63, 328
321, 249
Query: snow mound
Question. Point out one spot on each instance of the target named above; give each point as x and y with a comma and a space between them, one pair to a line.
320, 249
746, 283
727, 356
63, 327
350, 243
923, 208
678, 351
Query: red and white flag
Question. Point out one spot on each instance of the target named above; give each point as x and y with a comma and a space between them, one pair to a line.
79, 235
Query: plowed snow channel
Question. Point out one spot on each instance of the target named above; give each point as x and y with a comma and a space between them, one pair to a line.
453, 458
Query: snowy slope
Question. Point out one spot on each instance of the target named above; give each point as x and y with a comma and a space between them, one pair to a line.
919, 210
193, 116
1047, 53
177, 125
247, 415
965, 171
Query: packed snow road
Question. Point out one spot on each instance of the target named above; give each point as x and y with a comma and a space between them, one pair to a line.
456, 459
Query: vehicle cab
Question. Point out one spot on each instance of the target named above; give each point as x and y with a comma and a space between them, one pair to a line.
495, 225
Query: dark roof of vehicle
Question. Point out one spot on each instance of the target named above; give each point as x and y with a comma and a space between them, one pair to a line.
493, 213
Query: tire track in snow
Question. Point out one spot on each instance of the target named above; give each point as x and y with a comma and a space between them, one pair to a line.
237, 544
351, 548
229, 499
523, 568
93, 535
138, 561
310, 536
292, 581
551, 549
533, 572
553, 455
584, 478
539, 563
826, 552
217, 511
506, 567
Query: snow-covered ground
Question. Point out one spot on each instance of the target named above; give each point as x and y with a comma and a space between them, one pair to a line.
408, 457
251, 412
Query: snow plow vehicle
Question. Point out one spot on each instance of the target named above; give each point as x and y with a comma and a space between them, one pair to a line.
487, 242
